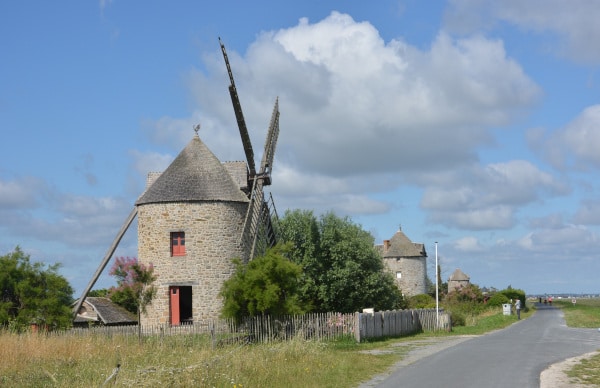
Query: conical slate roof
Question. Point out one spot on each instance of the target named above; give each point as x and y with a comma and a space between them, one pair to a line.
459, 275
401, 246
195, 175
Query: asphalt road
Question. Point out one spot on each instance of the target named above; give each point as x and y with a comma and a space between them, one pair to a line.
512, 357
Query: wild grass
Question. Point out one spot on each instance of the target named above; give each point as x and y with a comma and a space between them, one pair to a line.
59, 361
584, 313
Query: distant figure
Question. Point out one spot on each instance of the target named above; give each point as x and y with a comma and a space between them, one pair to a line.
518, 308
550, 301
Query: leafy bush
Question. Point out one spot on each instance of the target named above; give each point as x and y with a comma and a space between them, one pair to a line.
457, 318
266, 285
498, 299
514, 294
421, 301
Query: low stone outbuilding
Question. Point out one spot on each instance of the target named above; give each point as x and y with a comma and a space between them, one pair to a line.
102, 311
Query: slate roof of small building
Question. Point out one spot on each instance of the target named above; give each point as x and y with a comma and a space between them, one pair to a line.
239, 173
195, 175
105, 311
401, 246
459, 275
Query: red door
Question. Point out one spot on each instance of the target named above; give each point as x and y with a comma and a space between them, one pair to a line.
174, 299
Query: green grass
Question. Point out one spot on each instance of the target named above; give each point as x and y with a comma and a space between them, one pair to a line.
585, 313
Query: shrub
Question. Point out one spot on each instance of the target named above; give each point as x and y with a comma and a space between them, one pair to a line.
514, 294
498, 299
421, 301
457, 319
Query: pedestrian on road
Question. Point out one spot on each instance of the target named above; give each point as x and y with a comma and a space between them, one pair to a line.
518, 308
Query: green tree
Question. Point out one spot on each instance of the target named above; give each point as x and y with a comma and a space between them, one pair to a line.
31, 293
342, 271
266, 285
100, 292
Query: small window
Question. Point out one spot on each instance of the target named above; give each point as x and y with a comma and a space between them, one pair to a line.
177, 243
398, 275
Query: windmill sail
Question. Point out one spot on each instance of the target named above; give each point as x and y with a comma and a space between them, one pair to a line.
239, 115
258, 232
267, 159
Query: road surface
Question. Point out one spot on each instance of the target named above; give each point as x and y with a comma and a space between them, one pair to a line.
512, 357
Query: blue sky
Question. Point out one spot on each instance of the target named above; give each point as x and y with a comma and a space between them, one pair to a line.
472, 123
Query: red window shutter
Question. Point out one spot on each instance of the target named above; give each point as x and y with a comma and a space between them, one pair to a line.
178, 244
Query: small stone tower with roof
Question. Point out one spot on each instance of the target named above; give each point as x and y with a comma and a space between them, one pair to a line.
458, 280
407, 261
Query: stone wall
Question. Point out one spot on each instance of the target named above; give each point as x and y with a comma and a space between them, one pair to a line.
212, 234
413, 272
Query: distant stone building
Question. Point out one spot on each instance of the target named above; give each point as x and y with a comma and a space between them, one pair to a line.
407, 261
458, 280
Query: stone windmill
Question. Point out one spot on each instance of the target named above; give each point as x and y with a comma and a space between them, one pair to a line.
196, 216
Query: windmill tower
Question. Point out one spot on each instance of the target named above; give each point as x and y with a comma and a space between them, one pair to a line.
198, 215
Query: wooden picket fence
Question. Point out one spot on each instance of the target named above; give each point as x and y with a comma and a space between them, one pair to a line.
317, 326
399, 323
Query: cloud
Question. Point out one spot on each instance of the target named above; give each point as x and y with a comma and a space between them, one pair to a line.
488, 197
588, 213
468, 244
21, 193
560, 243
359, 115
573, 147
31, 209
146, 162
103, 5
573, 23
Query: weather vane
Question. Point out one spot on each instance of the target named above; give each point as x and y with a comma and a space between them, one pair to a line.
196, 128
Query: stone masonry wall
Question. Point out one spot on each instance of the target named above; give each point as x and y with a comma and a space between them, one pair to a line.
414, 272
212, 233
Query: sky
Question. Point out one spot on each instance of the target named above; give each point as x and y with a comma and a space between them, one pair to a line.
472, 125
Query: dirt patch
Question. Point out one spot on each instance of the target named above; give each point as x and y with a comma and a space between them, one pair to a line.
555, 375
